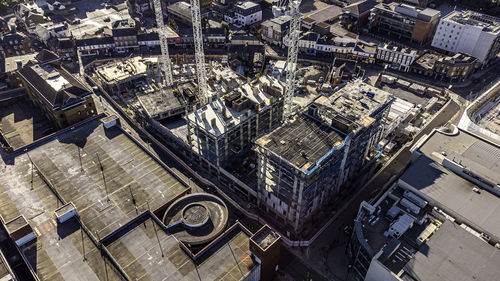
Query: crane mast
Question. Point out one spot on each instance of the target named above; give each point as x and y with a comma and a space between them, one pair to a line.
201, 72
291, 62
164, 59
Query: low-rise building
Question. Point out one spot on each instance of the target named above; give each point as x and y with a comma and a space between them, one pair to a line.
275, 29
180, 12
63, 97
456, 67
15, 44
365, 52
125, 36
469, 32
404, 22
439, 220
244, 14
305, 162
95, 46
450, 68
355, 16
46, 31
396, 57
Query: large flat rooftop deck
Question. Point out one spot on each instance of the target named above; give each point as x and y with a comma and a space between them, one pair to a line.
68, 167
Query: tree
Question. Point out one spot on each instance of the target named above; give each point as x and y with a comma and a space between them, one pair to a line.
173, 24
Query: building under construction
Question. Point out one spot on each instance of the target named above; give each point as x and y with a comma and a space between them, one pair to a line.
226, 127
304, 163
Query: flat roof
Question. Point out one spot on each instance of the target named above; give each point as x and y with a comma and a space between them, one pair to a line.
452, 254
155, 101
356, 101
454, 193
476, 154
131, 174
139, 254
120, 70
328, 13
302, 141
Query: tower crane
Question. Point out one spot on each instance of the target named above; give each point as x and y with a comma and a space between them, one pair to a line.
199, 55
164, 59
291, 62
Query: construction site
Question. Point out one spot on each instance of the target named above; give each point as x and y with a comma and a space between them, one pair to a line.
305, 162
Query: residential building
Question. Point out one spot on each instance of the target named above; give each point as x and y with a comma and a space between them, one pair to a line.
46, 31
469, 32
355, 16
439, 220
64, 99
142, 7
125, 36
180, 12
304, 163
15, 44
244, 14
457, 67
365, 52
95, 46
450, 68
273, 30
307, 43
64, 47
396, 57
404, 22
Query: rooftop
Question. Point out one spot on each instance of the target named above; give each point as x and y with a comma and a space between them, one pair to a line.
121, 70
453, 253
425, 15
54, 83
302, 141
137, 251
416, 241
355, 105
221, 115
265, 237
443, 179
427, 60
485, 22
156, 102
326, 14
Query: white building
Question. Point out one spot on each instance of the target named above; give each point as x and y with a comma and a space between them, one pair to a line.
396, 57
468, 32
244, 13
49, 30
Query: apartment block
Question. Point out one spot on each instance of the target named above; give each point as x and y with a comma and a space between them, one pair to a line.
469, 32
438, 221
405, 22
304, 163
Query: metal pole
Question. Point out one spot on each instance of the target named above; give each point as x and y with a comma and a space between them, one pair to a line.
154, 227
80, 157
83, 244
103, 177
